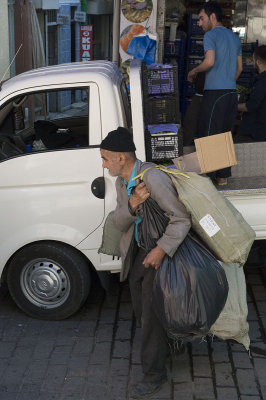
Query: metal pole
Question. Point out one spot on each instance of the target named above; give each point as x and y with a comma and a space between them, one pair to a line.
116, 31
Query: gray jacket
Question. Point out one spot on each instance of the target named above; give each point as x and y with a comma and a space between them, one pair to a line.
161, 189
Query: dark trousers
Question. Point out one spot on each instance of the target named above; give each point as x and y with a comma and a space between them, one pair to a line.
154, 345
190, 125
243, 139
217, 115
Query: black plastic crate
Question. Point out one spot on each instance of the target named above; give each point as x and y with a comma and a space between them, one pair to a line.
195, 46
248, 48
193, 27
174, 48
163, 146
184, 104
246, 81
192, 62
159, 80
248, 74
161, 110
249, 68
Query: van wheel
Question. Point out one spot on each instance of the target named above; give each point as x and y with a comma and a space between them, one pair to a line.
48, 281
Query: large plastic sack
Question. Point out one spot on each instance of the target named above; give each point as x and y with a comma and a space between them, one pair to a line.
214, 218
111, 238
220, 225
153, 224
232, 322
189, 291
143, 47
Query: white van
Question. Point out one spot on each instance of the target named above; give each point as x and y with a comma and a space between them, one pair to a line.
54, 194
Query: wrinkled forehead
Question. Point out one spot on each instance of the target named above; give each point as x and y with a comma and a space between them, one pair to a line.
109, 155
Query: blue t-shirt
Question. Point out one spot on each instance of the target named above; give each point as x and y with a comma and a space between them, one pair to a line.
227, 47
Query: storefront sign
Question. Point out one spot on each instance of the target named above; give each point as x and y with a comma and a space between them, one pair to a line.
63, 19
86, 50
80, 16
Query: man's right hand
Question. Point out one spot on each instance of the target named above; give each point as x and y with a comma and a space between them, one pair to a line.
139, 196
192, 75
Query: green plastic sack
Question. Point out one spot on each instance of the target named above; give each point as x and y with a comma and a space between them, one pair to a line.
217, 222
232, 322
111, 238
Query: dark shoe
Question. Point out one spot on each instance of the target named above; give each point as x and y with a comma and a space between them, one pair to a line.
146, 388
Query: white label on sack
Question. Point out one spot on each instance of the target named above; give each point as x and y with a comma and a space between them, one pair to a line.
209, 225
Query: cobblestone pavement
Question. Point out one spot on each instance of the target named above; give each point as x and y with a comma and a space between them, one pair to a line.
95, 354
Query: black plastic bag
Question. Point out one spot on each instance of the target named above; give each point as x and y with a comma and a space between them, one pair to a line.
189, 290
153, 224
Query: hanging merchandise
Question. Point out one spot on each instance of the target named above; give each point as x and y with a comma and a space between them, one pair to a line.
214, 218
136, 10
189, 291
138, 17
175, 11
143, 47
128, 34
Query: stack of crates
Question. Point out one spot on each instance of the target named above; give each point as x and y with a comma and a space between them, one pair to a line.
161, 109
247, 76
194, 56
174, 52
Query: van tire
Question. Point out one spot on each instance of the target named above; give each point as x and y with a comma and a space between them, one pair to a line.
48, 280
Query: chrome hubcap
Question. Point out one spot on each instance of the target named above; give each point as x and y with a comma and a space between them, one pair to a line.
45, 283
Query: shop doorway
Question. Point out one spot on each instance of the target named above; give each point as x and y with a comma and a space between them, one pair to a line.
102, 36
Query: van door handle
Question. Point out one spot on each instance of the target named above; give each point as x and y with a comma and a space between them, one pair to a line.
98, 187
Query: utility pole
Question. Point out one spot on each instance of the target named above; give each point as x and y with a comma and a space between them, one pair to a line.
160, 28
23, 35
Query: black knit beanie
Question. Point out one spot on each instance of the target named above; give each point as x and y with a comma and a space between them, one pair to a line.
119, 140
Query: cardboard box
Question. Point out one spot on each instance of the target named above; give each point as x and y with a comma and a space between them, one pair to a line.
212, 153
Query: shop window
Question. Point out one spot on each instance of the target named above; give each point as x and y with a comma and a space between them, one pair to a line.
51, 16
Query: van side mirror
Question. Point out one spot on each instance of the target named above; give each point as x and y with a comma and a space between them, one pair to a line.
98, 187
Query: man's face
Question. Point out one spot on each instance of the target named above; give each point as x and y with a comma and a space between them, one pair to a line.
204, 21
111, 161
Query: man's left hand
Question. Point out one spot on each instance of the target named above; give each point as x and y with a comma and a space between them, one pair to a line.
154, 258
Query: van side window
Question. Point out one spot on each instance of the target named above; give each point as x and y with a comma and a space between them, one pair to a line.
44, 121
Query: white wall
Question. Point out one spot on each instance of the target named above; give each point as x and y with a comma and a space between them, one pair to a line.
4, 34
256, 29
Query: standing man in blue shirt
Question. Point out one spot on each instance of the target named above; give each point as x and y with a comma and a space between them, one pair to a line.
223, 65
